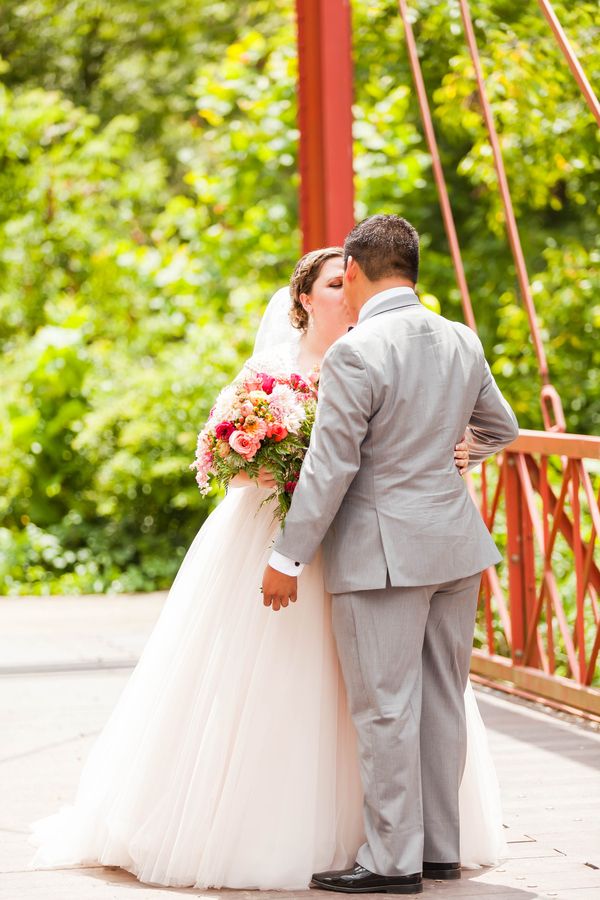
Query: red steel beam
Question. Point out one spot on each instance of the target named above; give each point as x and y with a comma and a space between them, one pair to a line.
578, 549
325, 120
571, 57
514, 549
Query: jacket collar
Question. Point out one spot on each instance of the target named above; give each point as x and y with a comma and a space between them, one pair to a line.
393, 298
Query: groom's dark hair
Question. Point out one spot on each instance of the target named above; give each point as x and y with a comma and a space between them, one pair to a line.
384, 246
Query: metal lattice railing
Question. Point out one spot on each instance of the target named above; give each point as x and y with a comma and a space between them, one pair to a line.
539, 619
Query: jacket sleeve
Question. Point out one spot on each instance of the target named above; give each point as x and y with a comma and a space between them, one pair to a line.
493, 424
334, 454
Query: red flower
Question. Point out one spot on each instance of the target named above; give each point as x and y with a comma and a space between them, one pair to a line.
224, 430
267, 382
298, 383
277, 432
290, 487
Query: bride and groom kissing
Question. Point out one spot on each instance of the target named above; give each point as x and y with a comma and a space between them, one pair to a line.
238, 755
403, 546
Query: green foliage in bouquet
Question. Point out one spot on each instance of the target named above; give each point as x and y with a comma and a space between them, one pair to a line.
283, 460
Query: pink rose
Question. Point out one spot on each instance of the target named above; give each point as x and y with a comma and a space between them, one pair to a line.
267, 382
224, 430
246, 445
276, 431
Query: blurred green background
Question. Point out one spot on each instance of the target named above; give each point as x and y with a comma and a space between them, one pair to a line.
148, 208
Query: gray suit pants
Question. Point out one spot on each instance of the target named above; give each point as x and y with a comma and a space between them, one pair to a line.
405, 655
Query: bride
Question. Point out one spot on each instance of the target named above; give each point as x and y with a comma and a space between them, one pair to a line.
230, 758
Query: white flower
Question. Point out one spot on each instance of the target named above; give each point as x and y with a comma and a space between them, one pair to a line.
286, 407
227, 405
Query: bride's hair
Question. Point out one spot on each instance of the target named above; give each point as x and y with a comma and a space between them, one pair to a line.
307, 270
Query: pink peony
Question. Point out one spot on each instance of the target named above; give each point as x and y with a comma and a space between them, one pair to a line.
255, 426
247, 445
224, 430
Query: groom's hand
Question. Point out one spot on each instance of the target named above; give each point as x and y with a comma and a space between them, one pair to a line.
278, 589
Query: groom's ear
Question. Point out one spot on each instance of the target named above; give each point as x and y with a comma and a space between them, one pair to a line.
351, 269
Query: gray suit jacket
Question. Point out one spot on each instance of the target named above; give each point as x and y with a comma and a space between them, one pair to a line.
379, 488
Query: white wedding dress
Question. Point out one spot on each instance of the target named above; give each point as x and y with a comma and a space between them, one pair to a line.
230, 758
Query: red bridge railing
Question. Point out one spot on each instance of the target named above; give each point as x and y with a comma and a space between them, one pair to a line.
539, 618
539, 623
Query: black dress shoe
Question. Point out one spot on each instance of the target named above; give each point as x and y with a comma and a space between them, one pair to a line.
444, 871
358, 880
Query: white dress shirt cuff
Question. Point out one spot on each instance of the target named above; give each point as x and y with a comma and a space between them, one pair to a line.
284, 564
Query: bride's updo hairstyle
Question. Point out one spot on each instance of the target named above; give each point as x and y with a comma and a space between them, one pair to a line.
307, 270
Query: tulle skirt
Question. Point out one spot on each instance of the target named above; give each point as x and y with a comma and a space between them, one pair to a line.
230, 758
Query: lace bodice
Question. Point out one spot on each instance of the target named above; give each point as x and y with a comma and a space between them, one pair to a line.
279, 362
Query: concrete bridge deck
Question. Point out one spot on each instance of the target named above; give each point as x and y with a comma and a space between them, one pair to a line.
63, 662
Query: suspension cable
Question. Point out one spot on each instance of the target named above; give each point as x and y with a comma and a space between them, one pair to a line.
552, 410
438, 171
571, 57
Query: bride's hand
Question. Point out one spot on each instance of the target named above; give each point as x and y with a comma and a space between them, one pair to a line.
461, 456
265, 480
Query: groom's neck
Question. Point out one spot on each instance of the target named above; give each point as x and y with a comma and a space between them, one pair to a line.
369, 288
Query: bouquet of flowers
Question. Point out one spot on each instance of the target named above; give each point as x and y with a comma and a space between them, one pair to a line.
258, 422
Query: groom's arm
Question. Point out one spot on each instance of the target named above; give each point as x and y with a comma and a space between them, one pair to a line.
333, 458
493, 424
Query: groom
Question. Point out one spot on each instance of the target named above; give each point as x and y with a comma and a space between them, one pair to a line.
404, 548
